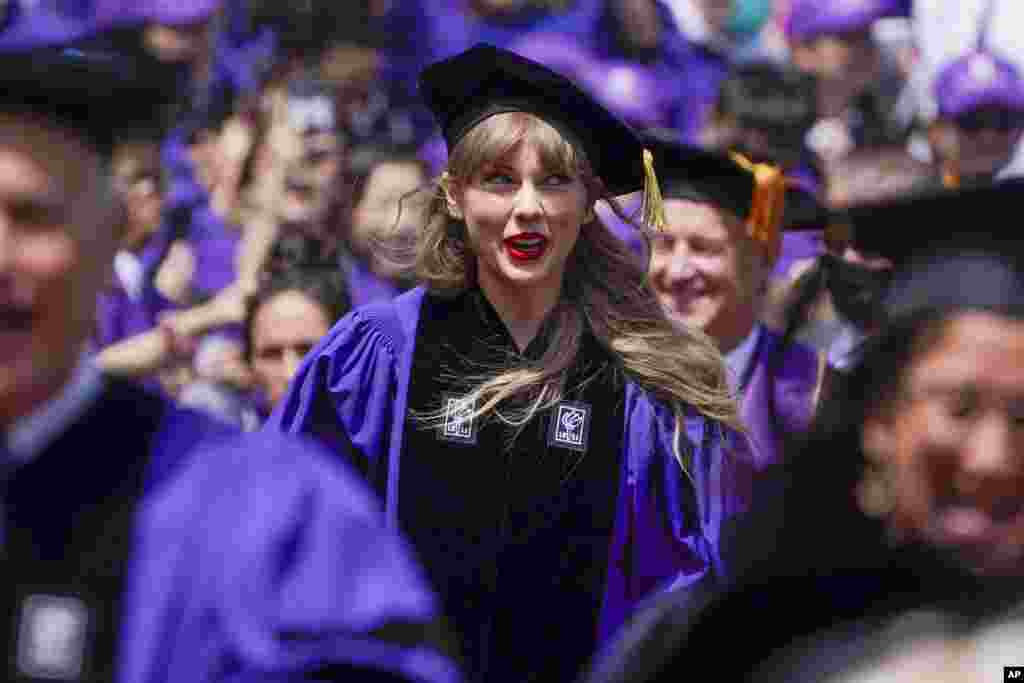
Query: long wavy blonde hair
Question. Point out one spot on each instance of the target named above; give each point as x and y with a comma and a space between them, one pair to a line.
604, 291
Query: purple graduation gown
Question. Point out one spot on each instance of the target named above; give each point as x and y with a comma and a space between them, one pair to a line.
235, 557
780, 397
354, 387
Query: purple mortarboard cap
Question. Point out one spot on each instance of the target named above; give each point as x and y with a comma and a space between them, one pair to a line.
164, 12
978, 80
809, 19
629, 90
44, 25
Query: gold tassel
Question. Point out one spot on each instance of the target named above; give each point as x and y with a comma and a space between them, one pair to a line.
654, 208
767, 204
950, 178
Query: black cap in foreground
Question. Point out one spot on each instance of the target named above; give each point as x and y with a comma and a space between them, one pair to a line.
951, 249
103, 96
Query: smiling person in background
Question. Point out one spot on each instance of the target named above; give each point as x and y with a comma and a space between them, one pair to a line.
710, 268
906, 494
529, 416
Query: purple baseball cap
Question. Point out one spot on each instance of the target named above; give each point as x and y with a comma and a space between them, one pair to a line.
978, 80
164, 12
631, 91
809, 19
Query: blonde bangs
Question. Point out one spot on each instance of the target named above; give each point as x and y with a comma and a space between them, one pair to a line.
496, 136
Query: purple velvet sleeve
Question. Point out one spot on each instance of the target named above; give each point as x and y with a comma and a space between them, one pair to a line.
668, 531
343, 393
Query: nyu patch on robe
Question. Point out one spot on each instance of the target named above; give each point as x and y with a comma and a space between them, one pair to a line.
459, 426
570, 426
52, 637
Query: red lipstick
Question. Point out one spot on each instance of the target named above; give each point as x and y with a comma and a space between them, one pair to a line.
526, 246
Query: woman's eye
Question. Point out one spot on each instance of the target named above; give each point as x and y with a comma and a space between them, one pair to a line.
557, 179
498, 179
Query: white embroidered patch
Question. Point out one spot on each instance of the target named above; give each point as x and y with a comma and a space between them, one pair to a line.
570, 427
459, 425
52, 635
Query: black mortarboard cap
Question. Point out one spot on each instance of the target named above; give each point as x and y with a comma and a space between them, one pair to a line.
952, 249
483, 81
104, 96
699, 175
904, 229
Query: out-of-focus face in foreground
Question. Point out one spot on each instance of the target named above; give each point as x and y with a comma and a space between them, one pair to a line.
953, 443
59, 228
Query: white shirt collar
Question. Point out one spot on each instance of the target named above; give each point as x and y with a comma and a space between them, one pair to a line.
129, 270
737, 360
32, 434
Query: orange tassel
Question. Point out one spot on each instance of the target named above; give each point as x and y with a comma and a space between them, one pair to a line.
653, 204
767, 205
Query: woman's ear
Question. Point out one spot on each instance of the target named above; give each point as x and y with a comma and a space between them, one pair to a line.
452, 206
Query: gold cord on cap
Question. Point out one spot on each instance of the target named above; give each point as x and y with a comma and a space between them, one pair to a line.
767, 204
654, 208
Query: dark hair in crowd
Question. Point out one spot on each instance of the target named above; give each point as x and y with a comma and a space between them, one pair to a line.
323, 284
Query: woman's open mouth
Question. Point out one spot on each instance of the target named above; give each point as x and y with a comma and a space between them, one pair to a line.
527, 246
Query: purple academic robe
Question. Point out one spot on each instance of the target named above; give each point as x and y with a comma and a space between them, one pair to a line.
354, 387
366, 287
119, 316
780, 397
250, 557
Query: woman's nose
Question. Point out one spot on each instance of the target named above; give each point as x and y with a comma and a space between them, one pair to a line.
528, 204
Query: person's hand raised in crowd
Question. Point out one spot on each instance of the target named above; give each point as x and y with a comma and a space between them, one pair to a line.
233, 147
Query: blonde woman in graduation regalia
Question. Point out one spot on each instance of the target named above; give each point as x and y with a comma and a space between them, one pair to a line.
553, 447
